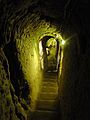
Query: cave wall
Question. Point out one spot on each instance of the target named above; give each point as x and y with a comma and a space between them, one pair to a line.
19, 23
20, 44
68, 79
74, 82
74, 79
27, 44
10, 108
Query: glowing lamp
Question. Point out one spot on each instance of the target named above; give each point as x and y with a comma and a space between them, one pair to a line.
63, 42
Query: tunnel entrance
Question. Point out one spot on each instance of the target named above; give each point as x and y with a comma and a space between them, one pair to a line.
49, 54
51, 51
47, 100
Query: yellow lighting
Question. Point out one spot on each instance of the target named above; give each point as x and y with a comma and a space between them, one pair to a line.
59, 37
41, 54
63, 42
40, 48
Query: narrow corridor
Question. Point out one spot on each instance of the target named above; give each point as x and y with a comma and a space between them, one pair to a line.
47, 102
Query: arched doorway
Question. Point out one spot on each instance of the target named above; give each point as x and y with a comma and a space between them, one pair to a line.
49, 51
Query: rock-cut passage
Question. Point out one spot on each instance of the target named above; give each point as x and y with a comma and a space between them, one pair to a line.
47, 102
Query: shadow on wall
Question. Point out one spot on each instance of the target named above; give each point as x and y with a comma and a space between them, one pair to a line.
16, 75
73, 83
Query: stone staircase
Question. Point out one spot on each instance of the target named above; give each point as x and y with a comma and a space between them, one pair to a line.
47, 102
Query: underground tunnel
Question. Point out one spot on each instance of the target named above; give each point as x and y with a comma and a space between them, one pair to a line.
44, 60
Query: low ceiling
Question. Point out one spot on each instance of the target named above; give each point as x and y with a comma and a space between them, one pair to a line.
67, 13
56, 9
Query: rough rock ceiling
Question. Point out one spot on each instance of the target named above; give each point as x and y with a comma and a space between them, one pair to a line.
54, 8
62, 11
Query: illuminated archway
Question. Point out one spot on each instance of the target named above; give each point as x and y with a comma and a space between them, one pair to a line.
50, 52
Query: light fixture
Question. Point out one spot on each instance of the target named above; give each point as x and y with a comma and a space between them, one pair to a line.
63, 42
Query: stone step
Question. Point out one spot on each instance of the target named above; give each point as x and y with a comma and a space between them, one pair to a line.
50, 73
44, 115
53, 89
46, 105
48, 96
48, 83
47, 101
50, 79
50, 76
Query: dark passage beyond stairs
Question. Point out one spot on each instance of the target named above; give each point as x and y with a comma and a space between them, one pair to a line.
47, 102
